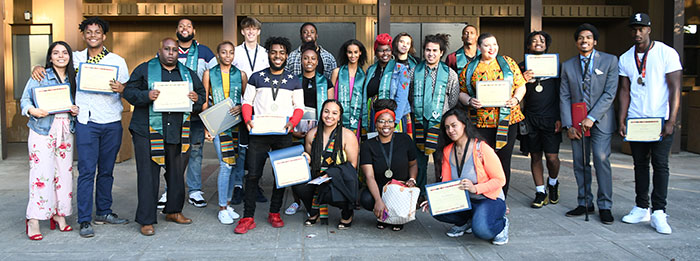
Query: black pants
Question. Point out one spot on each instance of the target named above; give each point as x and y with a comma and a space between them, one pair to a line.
366, 199
306, 193
148, 180
658, 152
258, 146
505, 153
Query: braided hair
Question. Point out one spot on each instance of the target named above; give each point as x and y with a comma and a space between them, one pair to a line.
317, 146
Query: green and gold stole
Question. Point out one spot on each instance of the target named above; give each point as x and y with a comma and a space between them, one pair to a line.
155, 119
504, 112
351, 102
428, 101
193, 56
228, 139
384, 87
462, 58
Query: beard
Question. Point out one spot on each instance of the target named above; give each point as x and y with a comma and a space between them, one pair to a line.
275, 68
184, 39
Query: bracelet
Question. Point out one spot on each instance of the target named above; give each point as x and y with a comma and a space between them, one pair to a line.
516, 98
412, 179
469, 102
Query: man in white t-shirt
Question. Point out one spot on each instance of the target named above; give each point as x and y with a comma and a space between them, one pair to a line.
650, 81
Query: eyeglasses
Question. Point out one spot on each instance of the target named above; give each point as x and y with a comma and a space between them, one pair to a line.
384, 50
383, 122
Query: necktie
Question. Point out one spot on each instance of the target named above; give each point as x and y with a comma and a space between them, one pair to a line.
586, 85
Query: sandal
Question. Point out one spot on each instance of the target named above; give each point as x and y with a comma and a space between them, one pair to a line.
344, 226
311, 221
381, 225
396, 227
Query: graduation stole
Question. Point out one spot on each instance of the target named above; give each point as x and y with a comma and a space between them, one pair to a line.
321, 91
428, 101
412, 62
504, 112
193, 56
462, 58
155, 119
351, 102
384, 87
96, 59
229, 138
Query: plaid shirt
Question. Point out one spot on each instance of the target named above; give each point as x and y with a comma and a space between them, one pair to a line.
294, 62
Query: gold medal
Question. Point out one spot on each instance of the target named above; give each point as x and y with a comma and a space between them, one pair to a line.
640, 81
388, 173
539, 88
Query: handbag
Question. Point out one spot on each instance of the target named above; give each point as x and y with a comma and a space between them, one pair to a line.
400, 201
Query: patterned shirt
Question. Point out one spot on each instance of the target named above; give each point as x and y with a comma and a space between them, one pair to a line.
488, 117
294, 62
452, 89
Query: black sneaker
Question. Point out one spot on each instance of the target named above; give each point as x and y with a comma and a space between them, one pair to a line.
553, 192
580, 210
540, 200
261, 198
237, 196
86, 230
606, 216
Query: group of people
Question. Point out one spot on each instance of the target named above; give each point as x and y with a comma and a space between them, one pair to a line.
374, 127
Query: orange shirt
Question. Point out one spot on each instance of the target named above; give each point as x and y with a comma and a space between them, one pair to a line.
491, 71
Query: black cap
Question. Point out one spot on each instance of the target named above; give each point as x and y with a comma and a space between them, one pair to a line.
640, 19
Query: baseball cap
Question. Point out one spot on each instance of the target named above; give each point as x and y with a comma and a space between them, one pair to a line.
640, 19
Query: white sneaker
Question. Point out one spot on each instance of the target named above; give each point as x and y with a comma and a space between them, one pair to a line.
232, 213
636, 215
225, 218
162, 200
292, 209
659, 222
197, 200
502, 237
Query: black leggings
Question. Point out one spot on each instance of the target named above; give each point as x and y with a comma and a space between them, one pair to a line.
505, 153
306, 193
366, 199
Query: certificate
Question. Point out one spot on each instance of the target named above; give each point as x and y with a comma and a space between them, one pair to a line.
172, 97
217, 118
96, 77
493, 93
543, 65
53, 99
644, 129
269, 125
289, 166
446, 197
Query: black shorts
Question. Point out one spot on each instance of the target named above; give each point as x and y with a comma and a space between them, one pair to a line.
541, 135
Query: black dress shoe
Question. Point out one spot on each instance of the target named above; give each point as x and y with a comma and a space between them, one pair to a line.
580, 210
606, 216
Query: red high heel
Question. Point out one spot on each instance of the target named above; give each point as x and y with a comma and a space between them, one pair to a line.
32, 237
54, 225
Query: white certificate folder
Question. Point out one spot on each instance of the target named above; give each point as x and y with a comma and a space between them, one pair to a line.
290, 166
217, 118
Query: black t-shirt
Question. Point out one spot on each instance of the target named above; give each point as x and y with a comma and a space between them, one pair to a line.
542, 104
373, 85
404, 152
309, 86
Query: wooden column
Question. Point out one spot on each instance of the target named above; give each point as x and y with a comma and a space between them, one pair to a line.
230, 21
3, 111
73, 16
383, 16
533, 16
674, 19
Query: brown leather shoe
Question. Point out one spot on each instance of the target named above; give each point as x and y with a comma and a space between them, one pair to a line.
178, 218
147, 230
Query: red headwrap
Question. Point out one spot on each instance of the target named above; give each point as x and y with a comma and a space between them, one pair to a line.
393, 115
382, 39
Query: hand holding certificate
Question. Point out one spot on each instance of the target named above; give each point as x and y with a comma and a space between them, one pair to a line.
493, 93
96, 77
173, 97
218, 118
644, 129
542, 65
447, 197
53, 99
269, 125
290, 166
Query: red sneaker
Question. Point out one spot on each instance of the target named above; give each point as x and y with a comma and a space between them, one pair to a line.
244, 225
275, 220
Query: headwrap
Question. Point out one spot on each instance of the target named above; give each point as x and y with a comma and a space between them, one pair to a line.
393, 115
382, 39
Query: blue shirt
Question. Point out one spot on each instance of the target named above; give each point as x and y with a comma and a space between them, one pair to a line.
40, 125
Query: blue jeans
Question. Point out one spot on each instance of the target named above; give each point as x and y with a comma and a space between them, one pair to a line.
194, 168
97, 145
487, 216
229, 176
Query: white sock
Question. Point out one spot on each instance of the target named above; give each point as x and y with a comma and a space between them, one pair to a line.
540, 188
552, 181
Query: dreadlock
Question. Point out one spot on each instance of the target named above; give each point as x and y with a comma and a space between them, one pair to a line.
317, 146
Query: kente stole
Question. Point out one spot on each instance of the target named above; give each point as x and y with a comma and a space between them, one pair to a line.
229, 138
428, 102
384, 88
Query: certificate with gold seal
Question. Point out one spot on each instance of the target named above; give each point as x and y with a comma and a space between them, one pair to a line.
446, 197
53, 99
644, 129
543, 65
96, 77
493, 93
173, 97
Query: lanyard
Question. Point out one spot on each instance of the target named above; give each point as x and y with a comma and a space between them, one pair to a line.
460, 163
274, 90
391, 151
255, 57
642, 65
